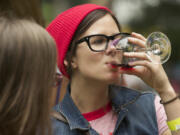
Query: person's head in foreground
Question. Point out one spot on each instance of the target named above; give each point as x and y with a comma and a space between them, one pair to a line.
27, 69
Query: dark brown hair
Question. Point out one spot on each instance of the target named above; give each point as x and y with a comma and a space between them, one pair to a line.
27, 67
84, 25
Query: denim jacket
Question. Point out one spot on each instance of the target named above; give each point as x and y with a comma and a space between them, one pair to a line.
135, 111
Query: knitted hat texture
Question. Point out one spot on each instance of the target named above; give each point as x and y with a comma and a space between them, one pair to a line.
63, 27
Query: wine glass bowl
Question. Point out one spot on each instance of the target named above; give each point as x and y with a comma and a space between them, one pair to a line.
157, 49
158, 44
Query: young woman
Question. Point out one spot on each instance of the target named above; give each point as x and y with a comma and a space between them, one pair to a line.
27, 70
85, 36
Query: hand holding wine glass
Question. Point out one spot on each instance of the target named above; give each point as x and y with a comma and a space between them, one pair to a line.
148, 66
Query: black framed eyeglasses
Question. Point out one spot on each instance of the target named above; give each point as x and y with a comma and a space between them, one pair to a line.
99, 42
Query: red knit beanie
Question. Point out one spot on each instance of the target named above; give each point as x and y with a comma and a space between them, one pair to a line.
63, 27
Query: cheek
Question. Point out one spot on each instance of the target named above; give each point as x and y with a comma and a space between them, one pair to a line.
88, 60
91, 59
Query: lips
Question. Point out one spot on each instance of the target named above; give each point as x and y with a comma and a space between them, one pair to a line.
113, 64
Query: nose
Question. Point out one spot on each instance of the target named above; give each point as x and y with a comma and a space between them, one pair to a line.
111, 49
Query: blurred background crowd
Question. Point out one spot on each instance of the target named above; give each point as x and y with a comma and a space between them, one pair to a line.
142, 16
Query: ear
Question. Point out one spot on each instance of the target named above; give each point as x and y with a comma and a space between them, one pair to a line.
73, 62
65, 63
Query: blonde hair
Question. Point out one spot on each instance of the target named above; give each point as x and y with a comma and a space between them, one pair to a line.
27, 67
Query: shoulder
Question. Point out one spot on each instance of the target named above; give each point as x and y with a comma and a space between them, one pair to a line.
58, 126
139, 108
133, 100
148, 97
124, 95
146, 103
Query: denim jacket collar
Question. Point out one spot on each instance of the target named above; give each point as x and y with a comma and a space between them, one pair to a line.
72, 113
121, 97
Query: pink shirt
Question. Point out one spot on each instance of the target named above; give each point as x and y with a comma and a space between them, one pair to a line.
161, 116
104, 119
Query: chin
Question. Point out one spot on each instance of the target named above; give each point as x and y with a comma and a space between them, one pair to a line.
113, 79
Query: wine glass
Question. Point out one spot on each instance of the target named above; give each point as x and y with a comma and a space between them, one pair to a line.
157, 47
